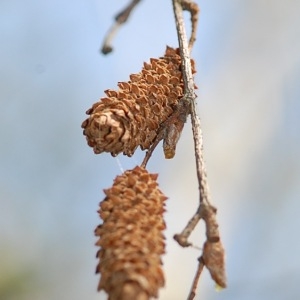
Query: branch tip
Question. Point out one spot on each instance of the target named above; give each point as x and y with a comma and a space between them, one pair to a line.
120, 19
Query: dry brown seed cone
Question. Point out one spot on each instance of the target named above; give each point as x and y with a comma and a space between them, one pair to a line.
131, 238
130, 117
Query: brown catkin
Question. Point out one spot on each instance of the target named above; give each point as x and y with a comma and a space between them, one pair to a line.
131, 116
130, 239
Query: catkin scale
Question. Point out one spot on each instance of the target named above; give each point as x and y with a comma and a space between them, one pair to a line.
131, 116
131, 237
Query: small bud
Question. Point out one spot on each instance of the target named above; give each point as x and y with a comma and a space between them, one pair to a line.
173, 132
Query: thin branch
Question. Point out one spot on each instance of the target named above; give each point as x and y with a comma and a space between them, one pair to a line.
158, 138
213, 252
190, 96
182, 238
184, 51
200, 267
120, 19
194, 10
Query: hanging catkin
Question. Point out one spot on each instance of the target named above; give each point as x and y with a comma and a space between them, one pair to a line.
131, 238
131, 116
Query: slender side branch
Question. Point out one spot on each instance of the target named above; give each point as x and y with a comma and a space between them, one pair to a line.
196, 279
158, 138
184, 51
182, 238
120, 19
194, 10
198, 144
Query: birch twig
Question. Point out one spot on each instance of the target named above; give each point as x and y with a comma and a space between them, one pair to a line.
190, 96
120, 19
213, 253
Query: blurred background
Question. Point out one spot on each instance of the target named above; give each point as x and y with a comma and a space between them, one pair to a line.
248, 61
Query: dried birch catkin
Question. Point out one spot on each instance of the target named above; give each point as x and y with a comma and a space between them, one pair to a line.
131, 116
131, 239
